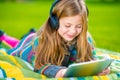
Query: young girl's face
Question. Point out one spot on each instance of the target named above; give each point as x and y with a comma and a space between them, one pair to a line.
70, 27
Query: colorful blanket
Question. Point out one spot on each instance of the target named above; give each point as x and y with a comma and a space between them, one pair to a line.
14, 68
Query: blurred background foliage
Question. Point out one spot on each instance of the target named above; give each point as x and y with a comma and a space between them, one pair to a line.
17, 17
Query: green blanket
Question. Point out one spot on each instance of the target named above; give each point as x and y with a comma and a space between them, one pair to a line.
14, 68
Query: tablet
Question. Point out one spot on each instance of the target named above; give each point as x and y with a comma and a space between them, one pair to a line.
87, 68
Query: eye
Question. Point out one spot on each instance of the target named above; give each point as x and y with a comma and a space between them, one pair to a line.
79, 26
67, 26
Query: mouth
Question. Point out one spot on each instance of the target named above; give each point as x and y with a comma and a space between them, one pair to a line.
70, 36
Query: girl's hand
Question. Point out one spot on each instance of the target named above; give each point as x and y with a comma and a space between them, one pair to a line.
61, 73
104, 72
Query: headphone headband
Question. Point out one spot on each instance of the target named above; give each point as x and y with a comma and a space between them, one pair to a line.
54, 3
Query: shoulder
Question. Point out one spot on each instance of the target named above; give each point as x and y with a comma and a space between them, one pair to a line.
90, 39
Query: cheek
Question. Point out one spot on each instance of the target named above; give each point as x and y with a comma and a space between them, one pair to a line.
79, 31
61, 31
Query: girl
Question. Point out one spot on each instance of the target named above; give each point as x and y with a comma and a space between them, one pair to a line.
63, 40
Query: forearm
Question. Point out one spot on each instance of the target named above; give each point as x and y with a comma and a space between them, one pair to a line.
50, 70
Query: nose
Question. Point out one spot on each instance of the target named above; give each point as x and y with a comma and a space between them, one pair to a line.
73, 31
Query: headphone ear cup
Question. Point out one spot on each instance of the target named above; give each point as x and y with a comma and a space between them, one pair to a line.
53, 21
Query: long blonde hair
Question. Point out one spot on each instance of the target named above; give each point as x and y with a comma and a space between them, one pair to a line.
50, 48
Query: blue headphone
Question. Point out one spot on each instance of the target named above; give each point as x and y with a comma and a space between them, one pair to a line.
53, 19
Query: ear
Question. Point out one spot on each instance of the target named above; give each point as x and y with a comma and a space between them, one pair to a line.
53, 21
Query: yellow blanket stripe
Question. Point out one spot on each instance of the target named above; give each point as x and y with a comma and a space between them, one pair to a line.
96, 78
114, 56
26, 79
60, 78
104, 78
13, 59
11, 71
3, 52
43, 77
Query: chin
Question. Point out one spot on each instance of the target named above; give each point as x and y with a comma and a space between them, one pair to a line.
69, 40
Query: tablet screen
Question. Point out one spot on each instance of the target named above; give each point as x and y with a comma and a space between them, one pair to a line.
87, 68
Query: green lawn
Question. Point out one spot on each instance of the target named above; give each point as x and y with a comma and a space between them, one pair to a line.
104, 25
104, 20
17, 18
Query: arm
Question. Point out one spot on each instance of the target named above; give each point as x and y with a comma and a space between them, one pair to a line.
52, 70
61, 73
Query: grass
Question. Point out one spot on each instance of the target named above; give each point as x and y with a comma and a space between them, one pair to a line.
104, 25
17, 18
